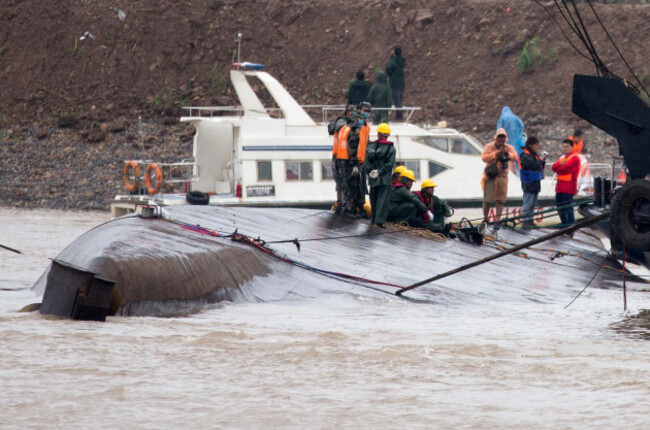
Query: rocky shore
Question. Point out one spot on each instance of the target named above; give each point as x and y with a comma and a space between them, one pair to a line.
76, 78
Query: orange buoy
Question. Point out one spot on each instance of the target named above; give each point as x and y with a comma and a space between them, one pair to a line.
153, 189
131, 186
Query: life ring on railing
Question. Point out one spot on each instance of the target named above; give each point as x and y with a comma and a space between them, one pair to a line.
153, 189
131, 186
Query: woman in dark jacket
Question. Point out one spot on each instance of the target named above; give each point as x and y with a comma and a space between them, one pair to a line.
531, 168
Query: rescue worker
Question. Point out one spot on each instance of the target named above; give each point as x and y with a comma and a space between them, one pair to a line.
435, 205
403, 204
347, 155
578, 142
495, 187
531, 169
358, 91
397, 172
380, 159
568, 170
334, 128
380, 96
364, 135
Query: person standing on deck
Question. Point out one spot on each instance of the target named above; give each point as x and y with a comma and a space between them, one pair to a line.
578, 142
380, 159
334, 128
380, 96
495, 183
358, 91
531, 172
568, 170
514, 127
364, 136
349, 138
395, 71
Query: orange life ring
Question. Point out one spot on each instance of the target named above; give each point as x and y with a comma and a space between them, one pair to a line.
131, 186
153, 189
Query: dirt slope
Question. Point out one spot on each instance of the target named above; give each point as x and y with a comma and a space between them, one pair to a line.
69, 104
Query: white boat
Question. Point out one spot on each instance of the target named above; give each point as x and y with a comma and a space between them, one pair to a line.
276, 154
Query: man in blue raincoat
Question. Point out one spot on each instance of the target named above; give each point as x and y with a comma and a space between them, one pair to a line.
514, 127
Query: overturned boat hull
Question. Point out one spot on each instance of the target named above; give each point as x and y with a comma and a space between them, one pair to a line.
193, 256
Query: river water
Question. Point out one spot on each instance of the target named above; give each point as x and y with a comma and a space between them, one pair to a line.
335, 361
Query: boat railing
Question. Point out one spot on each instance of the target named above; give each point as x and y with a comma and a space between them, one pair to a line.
327, 112
330, 112
184, 171
216, 111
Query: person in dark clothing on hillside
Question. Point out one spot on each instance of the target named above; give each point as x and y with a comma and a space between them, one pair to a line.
380, 158
395, 72
358, 91
403, 204
380, 96
531, 172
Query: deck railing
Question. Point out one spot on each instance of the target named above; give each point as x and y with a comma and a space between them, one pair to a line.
327, 112
182, 172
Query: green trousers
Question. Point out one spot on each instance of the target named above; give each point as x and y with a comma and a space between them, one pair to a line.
380, 203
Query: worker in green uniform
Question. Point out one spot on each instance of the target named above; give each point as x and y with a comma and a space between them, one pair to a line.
404, 204
380, 159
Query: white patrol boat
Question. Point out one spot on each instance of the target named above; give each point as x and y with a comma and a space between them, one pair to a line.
278, 155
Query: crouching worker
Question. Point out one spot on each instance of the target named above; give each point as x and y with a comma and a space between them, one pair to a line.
403, 204
396, 173
380, 159
436, 206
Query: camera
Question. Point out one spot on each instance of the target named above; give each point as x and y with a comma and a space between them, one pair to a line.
544, 154
503, 158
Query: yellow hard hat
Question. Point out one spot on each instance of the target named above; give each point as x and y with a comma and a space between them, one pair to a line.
408, 174
399, 169
383, 128
428, 183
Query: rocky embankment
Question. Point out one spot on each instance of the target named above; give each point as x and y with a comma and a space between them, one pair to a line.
76, 77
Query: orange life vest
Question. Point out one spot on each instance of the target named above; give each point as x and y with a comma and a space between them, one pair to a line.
364, 135
342, 150
335, 145
567, 177
578, 145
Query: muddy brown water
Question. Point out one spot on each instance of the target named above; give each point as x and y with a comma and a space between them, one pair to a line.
322, 361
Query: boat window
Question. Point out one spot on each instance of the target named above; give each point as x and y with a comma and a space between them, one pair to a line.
264, 171
435, 142
415, 166
299, 170
435, 168
461, 146
326, 173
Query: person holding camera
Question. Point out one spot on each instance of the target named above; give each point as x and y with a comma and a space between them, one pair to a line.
531, 172
496, 156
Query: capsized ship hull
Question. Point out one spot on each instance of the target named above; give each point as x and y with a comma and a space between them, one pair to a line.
189, 258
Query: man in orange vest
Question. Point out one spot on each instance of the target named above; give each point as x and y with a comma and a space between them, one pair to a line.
568, 170
364, 136
351, 154
334, 128
578, 143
